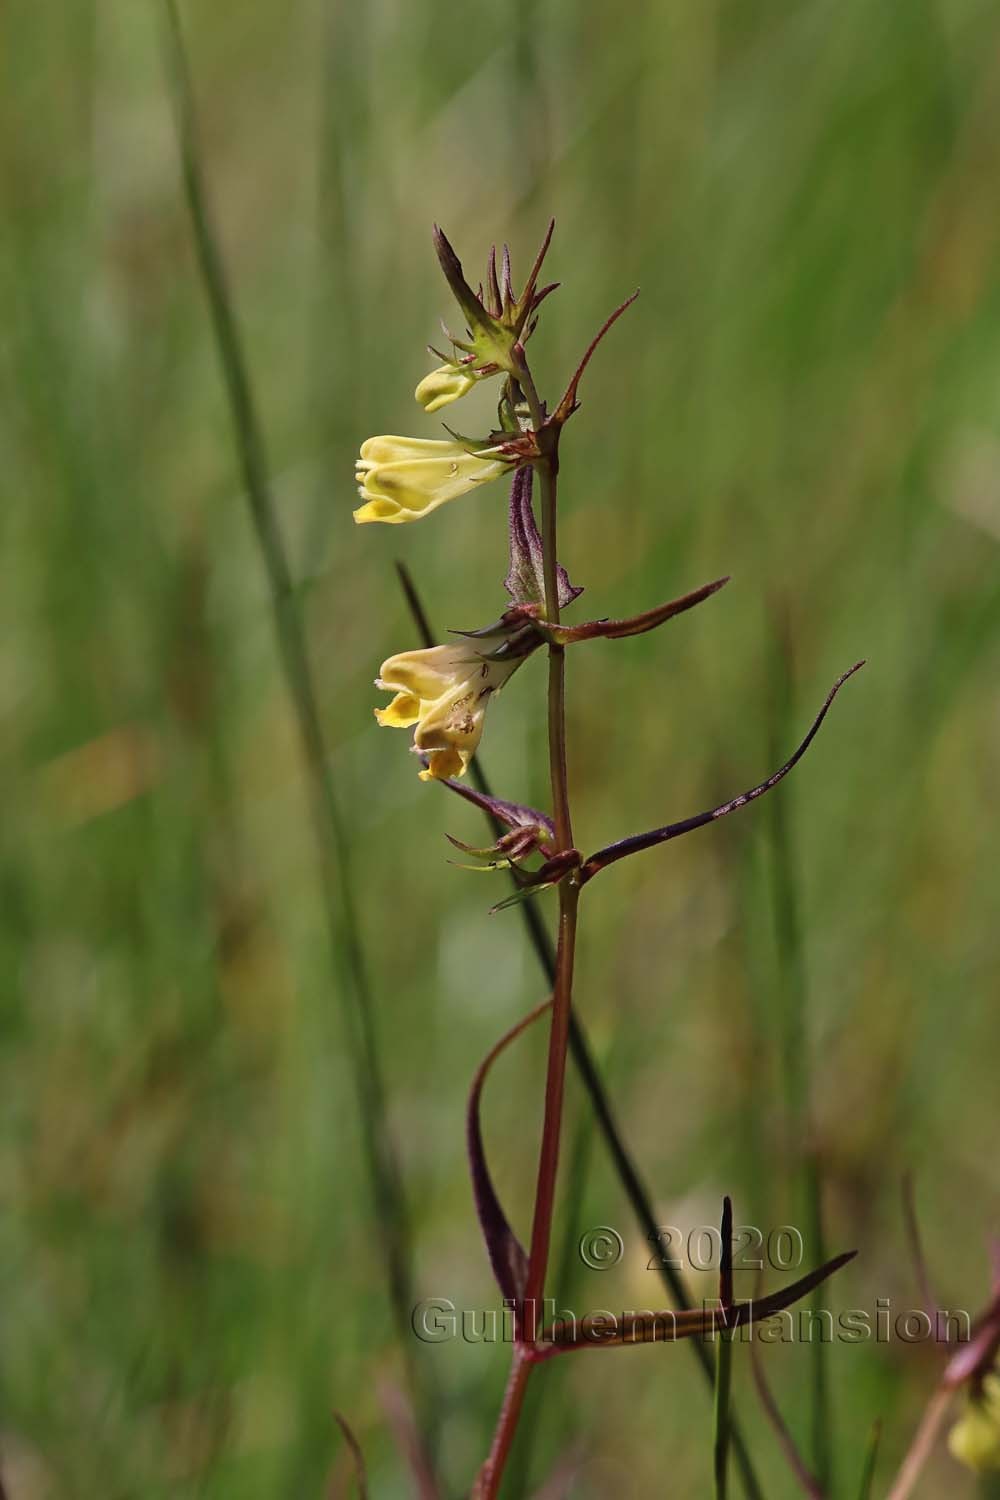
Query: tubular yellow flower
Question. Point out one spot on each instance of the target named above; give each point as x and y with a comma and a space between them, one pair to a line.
444, 691
402, 478
445, 384
975, 1438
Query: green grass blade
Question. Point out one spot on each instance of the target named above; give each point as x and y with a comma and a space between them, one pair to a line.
345, 945
723, 1414
871, 1458
793, 1045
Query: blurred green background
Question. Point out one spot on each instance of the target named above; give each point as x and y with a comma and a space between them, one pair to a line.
805, 396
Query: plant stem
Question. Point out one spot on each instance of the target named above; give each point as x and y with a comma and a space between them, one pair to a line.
488, 1483
590, 1077
557, 746
528, 1326
548, 467
569, 890
548, 1159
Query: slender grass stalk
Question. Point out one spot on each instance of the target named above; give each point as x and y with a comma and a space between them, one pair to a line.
871, 1458
793, 986
820, 1445
350, 969
590, 1076
723, 1397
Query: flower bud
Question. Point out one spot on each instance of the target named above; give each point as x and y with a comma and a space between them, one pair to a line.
444, 385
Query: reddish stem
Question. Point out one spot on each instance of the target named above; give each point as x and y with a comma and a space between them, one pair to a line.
487, 1484
548, 1160
528, 1322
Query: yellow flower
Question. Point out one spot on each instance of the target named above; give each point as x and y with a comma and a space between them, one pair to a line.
444, 691
402, 478
445, 384
975, 1438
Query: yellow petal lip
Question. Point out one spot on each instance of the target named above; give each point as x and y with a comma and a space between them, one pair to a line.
381, 510
442, 765
401, 713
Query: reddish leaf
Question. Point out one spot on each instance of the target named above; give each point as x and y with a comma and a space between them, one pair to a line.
569, 403
510, 814
616, 630
669, 1326
506, 1253
640, 841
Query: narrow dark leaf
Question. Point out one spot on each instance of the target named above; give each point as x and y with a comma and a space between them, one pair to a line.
506, 1253
726, 1263
616, 630
766, 1307
668, 1326
640, 841
724, 1359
